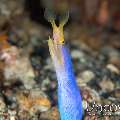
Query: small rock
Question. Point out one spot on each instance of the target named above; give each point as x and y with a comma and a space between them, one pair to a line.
2, 105
89, 94
12, 114
116, 93
113, 68
52, 114
45, 83
76, 54
106, 85
24, 115
33, 101
86, 76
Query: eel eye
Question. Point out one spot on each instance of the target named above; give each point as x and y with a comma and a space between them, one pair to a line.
63, 42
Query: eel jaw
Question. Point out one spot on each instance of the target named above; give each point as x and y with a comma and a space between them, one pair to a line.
56, 52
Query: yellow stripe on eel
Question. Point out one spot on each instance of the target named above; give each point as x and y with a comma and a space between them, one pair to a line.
58, 35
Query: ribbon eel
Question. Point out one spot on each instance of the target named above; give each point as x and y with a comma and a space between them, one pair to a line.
69, 97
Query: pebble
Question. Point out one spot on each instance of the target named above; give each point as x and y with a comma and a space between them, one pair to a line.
116, 93
77, 54
2, 105
113, 68
87, 75
107, 85
44, 84
33, 101
89, 95
52, 114
12, 114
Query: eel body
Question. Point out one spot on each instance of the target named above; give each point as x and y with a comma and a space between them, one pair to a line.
69, 98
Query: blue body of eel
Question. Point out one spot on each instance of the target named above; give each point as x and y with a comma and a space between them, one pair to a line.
69, 98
